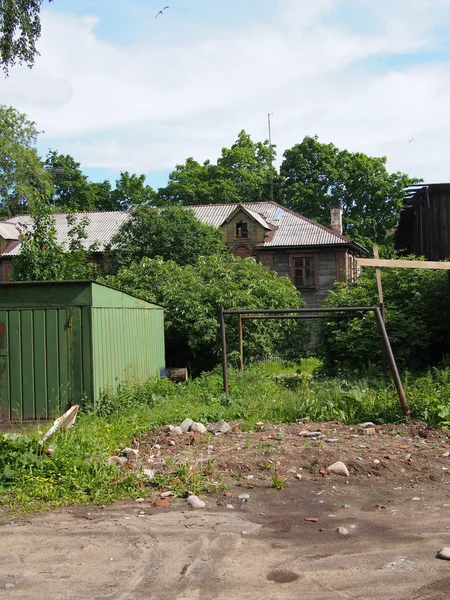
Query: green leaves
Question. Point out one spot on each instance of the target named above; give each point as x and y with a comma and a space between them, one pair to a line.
417, 323
22, 176
20, 29
317, 176
173, 233
192, 296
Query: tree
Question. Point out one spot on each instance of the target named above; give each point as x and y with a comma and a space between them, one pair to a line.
23, 179
72, 190
243, 173
20, 29
42, 258
192, 296
173, 233
317, 176
417, 322
130, 191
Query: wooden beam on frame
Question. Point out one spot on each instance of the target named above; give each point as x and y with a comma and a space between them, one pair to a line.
403, 264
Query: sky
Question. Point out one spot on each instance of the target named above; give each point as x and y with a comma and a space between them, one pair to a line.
119, 89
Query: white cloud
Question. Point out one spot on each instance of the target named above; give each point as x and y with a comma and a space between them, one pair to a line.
149, 106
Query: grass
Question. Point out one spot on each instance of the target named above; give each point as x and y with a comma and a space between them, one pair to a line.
77, 471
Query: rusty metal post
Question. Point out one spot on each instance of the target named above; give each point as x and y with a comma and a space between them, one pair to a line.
392, 363
224, 351
241, 345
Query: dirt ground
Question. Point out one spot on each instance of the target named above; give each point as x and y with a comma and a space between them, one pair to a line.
396, 512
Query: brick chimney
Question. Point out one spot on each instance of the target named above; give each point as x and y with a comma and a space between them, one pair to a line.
336, 218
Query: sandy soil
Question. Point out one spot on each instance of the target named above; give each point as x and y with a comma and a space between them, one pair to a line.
397, 513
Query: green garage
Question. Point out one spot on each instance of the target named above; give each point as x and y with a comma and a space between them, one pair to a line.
61, 342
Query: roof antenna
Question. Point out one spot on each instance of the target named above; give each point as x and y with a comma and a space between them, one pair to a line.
270, 144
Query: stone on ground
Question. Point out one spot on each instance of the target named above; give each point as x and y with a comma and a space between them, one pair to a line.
195, 502
444, 553
197, 428
185, 425
338, 468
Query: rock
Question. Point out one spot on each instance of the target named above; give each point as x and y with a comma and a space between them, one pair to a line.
446, 454
338, 468
366, 425
177, 431
415, 499
444, 553
230, 506
299, 476
310, 434
131, 454
332, 440
376, 462
244, 497
149, 473
259, 426
140, 500
197, 428
116, 460
8, 586
345, 505
220, 427
168, 428
185, 425
167, 495
172, 443
195, 502
342, 531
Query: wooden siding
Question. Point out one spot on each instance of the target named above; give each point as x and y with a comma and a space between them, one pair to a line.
424, 228
256, 232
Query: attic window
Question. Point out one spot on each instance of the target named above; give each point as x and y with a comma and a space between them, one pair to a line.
241, 230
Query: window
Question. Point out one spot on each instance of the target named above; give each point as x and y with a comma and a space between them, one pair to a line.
304, 271
241, 230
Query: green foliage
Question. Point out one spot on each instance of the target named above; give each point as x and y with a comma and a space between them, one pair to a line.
183, 477
172, 233
278, 483
20, 29
22, 176
243, 173
193, 295
17, 453
42, 258
317, 176
417, 322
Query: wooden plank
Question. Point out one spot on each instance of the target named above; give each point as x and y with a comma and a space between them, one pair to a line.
378, 276
5, 403
40, 363
27, 334
403, 264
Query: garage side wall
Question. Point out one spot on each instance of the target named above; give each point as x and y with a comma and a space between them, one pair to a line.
128, 346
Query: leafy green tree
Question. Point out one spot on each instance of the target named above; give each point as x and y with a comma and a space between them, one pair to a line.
42, 258
131, 191
417, 321
317, 176
23, 179
192, 296
20, 29
173, 233
72, 190
243, 173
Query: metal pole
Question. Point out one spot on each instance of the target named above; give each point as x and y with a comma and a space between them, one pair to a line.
392, 363
224, 351
286, 311
270, 144
241, 345
262, 317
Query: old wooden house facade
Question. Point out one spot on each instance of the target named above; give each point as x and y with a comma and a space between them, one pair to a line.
312, 255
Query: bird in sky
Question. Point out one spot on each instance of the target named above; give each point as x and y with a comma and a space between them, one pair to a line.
161, 12
411, 140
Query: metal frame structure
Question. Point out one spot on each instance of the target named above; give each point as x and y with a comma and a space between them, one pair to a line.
310, 313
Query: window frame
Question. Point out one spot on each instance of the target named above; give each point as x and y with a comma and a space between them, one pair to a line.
292, 269
236, 225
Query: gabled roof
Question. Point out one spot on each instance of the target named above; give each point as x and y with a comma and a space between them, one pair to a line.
289, 229
251, 213
292, 229
8, 231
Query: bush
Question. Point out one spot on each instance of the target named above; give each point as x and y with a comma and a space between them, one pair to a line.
417, 320
193, 296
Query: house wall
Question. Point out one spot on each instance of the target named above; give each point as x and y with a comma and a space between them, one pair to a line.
331, 263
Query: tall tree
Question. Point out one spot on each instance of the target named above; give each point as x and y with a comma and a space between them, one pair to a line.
20, 29
130, 191
172, 233
243, 173
22, 175
317, 176
72, 190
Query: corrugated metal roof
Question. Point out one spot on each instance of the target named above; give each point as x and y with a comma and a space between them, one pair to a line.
291, 229
8, 231
100, 228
